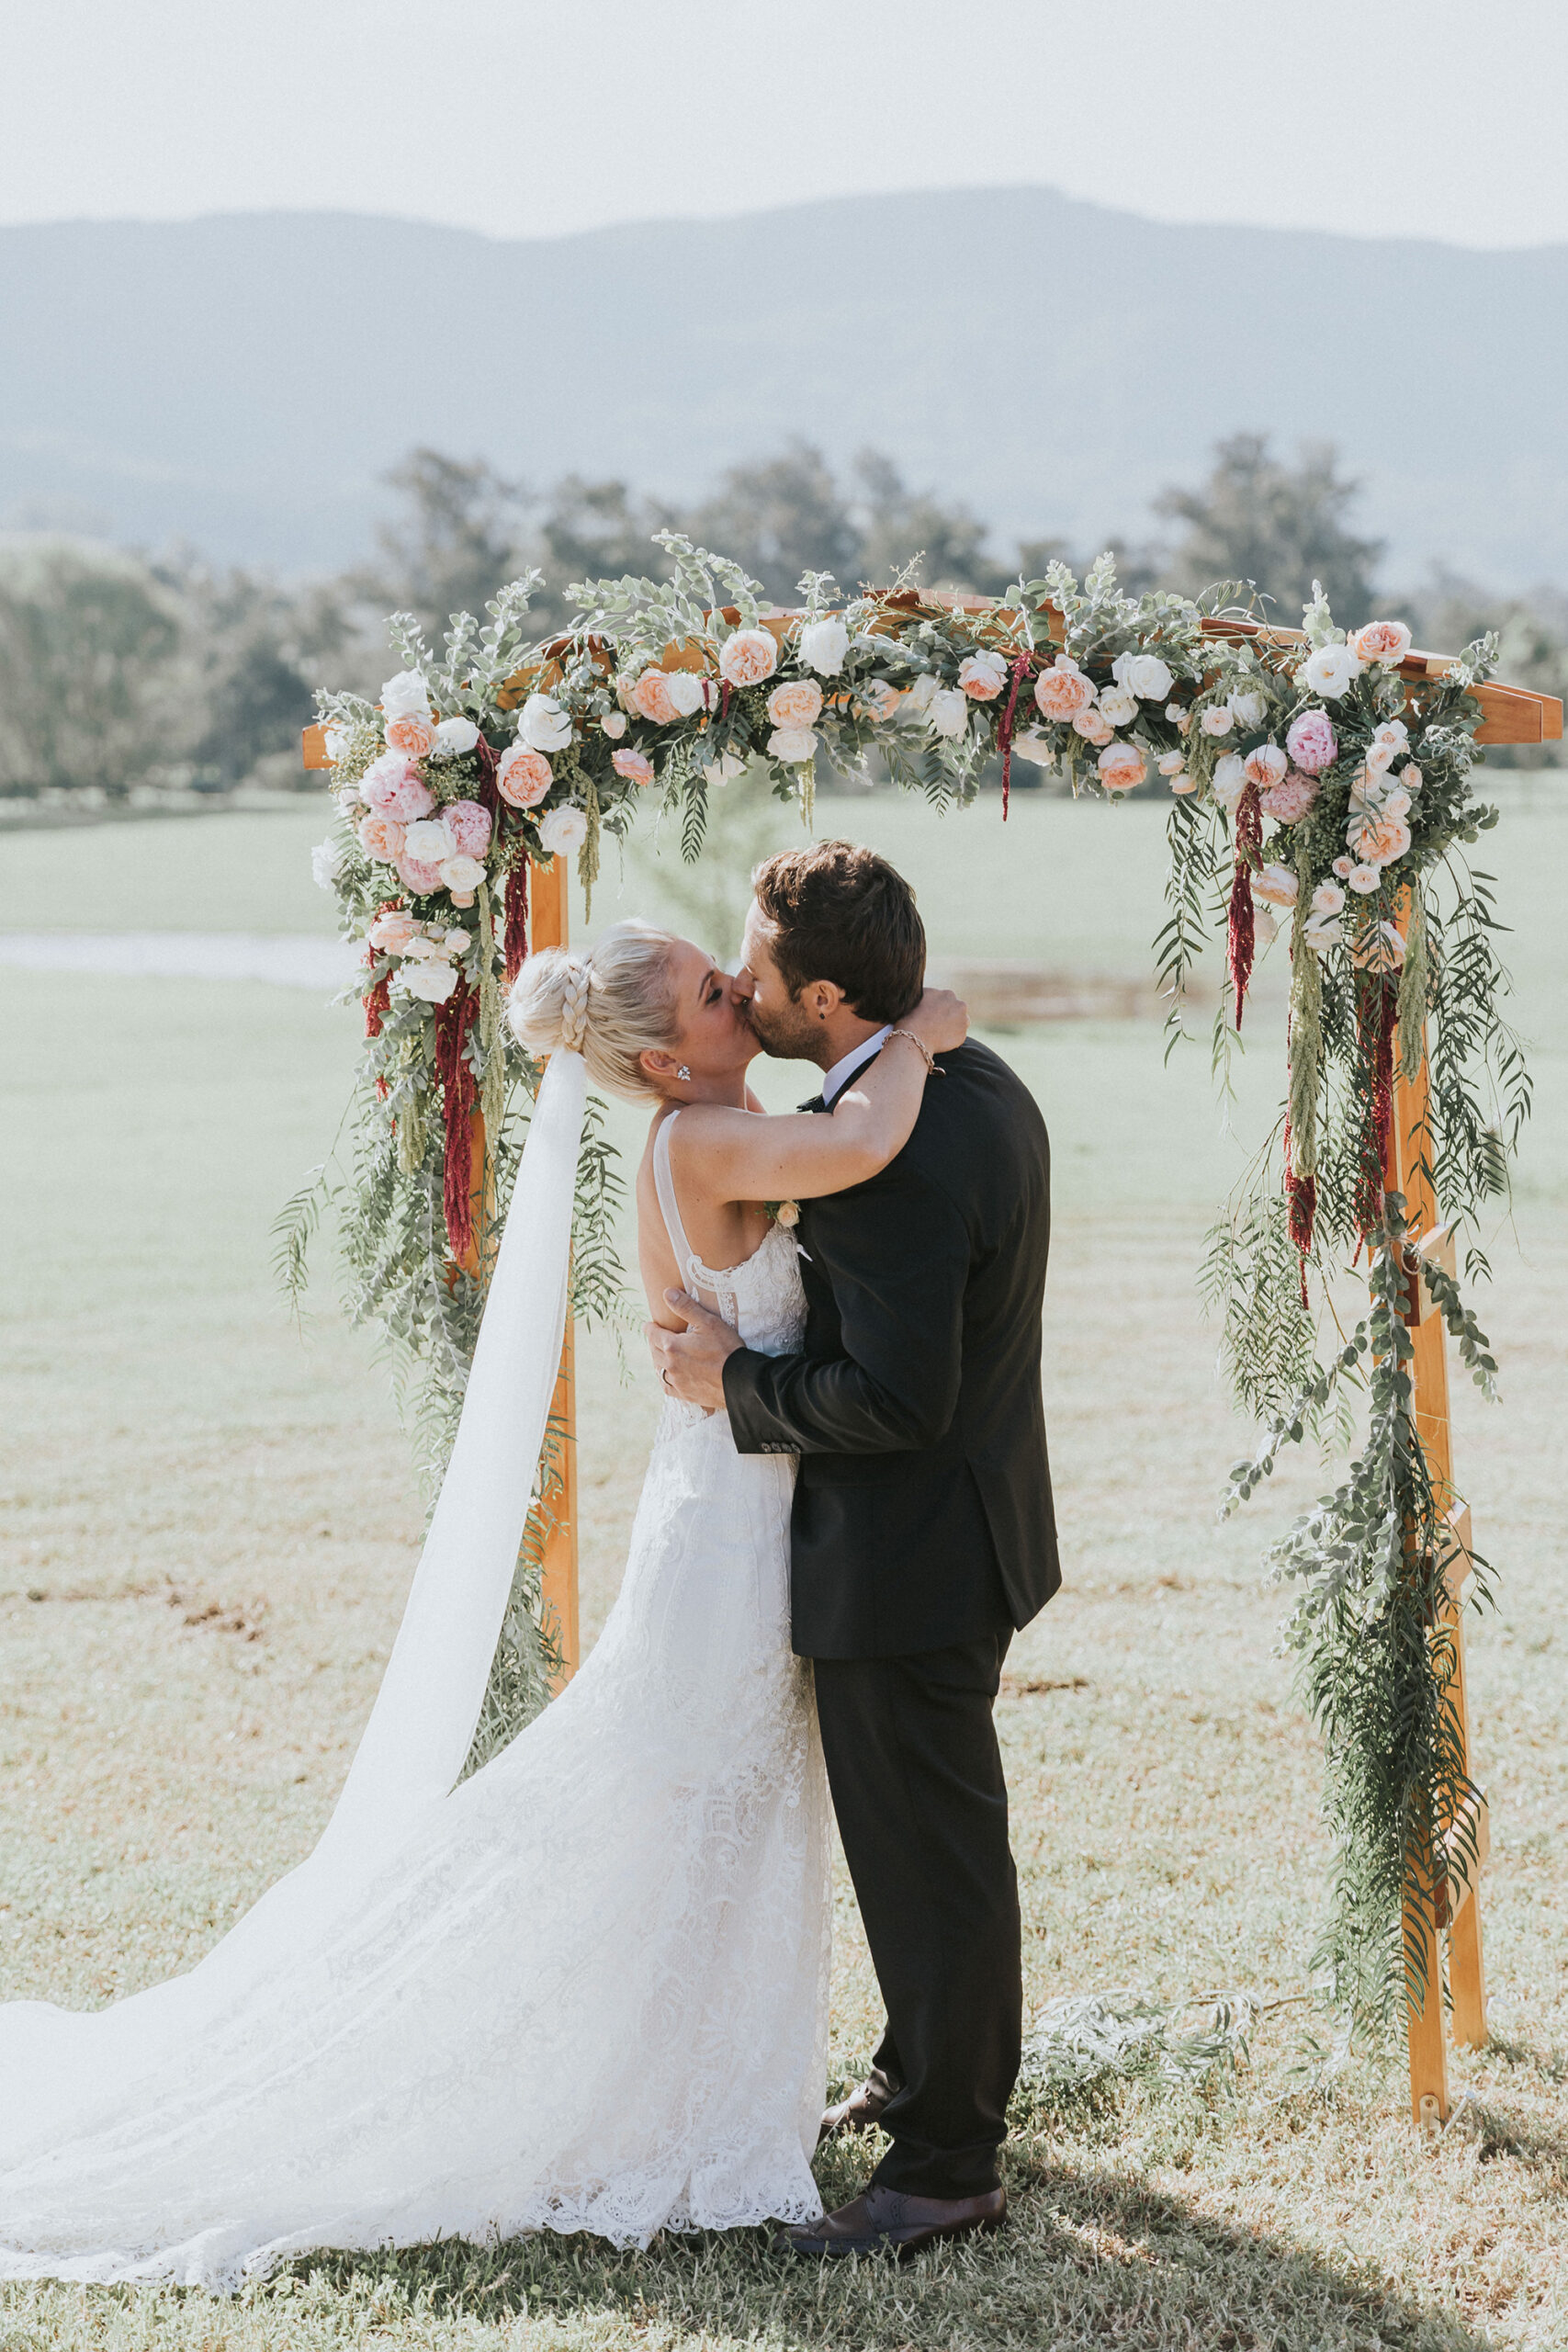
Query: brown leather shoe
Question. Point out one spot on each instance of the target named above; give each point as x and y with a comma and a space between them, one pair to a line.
863, 2109
886, 2221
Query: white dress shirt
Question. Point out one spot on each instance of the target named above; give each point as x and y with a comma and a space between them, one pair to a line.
844, 1068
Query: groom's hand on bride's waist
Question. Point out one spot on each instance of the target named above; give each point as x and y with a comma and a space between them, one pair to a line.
691, 1362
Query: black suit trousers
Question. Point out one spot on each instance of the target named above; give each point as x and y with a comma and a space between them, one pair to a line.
922, 1808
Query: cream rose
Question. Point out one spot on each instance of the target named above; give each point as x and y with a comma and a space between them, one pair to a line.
1230, 779
614, 725
793, 745
1036, 747
1384, 641
1093, 725
1144, 674
406, 695
1329, 671
948, 713
1171, 762
796, 703
1277, 884
562, 829
391, 932
1246, 707
462, 877
823, 646
544, 724
1364, 880
982, 676
1118, 705
1218, 719
434, 982
748, 657
455, 737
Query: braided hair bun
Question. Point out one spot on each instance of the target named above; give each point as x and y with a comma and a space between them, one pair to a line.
610, 1004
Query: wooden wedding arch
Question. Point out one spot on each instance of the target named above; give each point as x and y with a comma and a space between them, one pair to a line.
1510, 714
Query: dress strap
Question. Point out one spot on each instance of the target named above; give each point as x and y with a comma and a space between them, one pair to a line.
664, 1184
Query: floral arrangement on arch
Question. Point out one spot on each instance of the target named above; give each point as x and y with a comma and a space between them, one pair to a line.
1321, 794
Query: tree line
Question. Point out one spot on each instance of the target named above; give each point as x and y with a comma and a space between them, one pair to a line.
118, 671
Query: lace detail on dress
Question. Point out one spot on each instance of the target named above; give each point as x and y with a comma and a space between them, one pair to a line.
588, 1991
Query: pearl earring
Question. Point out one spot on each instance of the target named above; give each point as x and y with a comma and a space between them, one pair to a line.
682, 1071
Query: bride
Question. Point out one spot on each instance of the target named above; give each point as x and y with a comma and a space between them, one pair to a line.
585, 1989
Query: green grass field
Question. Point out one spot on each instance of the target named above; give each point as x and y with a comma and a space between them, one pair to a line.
211, 1520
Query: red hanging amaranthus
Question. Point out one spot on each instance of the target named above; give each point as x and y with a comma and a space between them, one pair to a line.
1241, 934
514, 940
1377, 1016
1301, 1193
459, 1096
1004, 732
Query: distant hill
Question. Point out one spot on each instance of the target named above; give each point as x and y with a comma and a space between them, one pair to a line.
242, 380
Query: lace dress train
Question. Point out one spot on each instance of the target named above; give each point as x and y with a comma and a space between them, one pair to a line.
588, 1991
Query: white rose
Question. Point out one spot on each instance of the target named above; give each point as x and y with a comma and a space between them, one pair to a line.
1118, 705
1217, 719
406, 695
1364, 879
429, 842
1328, 900
1144, 674
1276, 884
1329, 671
1230, 779
462, 873
323, 865
822, 647
1380, 756
434, 982
1321, 936
564, 829
794, 745
685, 690
1032, 745
428, 950
1264, 927
922, 694
948, 712
544, 724
1395, 803
614, 725
454, 737
456, 941
334, 742
1246, 707
1394, 732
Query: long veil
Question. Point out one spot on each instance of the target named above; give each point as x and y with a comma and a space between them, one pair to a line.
422, 1722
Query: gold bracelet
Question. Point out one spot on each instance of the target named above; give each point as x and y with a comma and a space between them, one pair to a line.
920, 1047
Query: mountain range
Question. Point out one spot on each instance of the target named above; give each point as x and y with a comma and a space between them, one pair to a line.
242, 381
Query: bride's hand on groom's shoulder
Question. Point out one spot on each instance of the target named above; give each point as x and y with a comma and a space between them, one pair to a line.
690, 1363
941, 1020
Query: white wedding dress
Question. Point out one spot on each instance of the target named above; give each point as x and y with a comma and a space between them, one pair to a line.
584, 1990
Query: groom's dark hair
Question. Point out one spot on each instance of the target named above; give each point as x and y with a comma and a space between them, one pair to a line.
841, 913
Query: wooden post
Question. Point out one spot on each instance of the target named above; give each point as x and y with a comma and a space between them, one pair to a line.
1458, 1907
547, 928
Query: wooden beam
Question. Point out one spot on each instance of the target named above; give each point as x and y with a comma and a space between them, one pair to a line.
548, 926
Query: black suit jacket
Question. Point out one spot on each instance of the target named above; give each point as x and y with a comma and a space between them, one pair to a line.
922, 1511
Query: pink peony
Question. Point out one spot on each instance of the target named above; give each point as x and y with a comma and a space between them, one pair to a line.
1122, 765
469, 827
397, 788
1287, 801
524, 778
1266, 766
636, 766
1312, 743
418, 876
381, 836
651, 698
1064, 692
796, 703
1384, 641
748, 658
412, 735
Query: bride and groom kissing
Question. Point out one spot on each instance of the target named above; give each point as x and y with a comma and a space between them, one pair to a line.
586, 1987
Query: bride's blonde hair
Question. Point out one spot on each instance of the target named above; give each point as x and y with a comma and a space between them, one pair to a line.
610, 1004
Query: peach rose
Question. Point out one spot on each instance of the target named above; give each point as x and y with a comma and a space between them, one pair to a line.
1277, 884
524, 778
1379, 948
636, 766
1093, 725
652, 697
1122, 765
1266, 766
796, 703
381, 836
982, 676
1062, 692
393, 933
412, 735
1384, 641
1377, 838
1364, 880
748, 658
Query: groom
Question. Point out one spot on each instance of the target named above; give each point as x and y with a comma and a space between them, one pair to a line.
922, 1532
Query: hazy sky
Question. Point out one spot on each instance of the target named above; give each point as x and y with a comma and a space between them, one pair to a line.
1413, 117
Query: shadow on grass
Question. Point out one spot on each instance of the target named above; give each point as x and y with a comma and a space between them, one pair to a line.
1088, 2259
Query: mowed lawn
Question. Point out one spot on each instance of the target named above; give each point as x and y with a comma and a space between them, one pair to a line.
210, 1521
